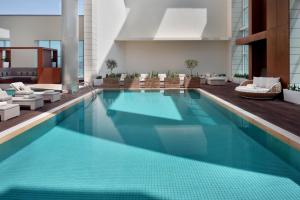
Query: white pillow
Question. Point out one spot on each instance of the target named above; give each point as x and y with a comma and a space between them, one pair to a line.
257, 81
271, 82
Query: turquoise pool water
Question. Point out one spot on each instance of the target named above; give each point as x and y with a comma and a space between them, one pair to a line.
148, 145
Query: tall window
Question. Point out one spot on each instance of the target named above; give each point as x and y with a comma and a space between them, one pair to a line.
4, 43
56, 44
244, 29
81, 59
53, 44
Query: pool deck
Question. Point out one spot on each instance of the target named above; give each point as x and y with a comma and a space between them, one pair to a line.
277, 112
28, 114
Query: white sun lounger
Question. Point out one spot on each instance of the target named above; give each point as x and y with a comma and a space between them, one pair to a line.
8, 111
33, 102
22, 90
162, 79
4, 97
181, 80
143, 78
122, 79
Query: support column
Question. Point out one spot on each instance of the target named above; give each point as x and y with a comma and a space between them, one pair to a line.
70, 44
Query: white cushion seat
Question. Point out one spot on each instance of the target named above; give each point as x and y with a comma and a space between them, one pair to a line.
260, 88
251, 90
216, 80
9, 111
4, 97
33, 103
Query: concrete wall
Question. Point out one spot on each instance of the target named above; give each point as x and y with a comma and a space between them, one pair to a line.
25, 30
169, 19
162, 56
129, 33
295, 41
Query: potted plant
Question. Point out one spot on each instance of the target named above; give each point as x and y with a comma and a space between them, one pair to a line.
239, 78
98, 81
111, 80
192, 81
172, 80
292, 94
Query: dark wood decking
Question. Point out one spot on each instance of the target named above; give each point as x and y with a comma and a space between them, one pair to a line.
28, 114
278, 112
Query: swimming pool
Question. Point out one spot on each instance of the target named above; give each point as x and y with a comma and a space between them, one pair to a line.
148, 145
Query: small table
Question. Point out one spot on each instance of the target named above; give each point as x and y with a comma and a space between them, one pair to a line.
33, 103
9, 111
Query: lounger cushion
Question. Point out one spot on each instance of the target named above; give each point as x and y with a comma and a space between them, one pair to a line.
5, 98
251, 89
265, 82
24, 92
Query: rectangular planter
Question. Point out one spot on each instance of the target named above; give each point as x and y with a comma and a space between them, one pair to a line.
131, 83
291, 96
97, 82
152, 83
193, 82
111, 83
172, 83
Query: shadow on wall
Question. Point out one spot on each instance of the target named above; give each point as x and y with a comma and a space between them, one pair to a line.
47, 194
162, 20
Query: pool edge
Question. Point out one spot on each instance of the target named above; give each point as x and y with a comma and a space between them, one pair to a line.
283, 135
19, 129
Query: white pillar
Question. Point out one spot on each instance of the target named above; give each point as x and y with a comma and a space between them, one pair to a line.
70, 44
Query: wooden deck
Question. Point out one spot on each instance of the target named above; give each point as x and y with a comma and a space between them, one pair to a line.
28, 114
278, 112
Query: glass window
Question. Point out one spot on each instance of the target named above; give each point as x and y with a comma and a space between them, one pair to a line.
56, 44
245, 33
81, 59
4, 43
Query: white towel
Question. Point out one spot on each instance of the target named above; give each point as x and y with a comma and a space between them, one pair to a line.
3, 103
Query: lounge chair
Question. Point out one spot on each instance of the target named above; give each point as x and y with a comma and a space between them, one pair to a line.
23, 90
142, 79
122, 79
215, 79
4, 97
32, 101
162, 79
8, 111
181, 80
260, 88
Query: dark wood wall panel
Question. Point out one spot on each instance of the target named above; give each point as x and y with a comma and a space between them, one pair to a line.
268, 55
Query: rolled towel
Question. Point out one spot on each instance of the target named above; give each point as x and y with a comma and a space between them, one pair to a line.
31, 96
3, 103
49, 91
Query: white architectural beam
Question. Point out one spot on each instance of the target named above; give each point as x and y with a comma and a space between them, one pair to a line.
70, 44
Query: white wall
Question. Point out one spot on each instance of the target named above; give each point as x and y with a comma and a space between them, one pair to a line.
175, 19
127, 32
163, 56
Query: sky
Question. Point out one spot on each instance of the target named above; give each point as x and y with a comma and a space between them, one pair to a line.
33, 7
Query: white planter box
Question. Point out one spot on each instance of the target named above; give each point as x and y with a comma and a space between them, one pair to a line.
291, 96
5, 64
98, 82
